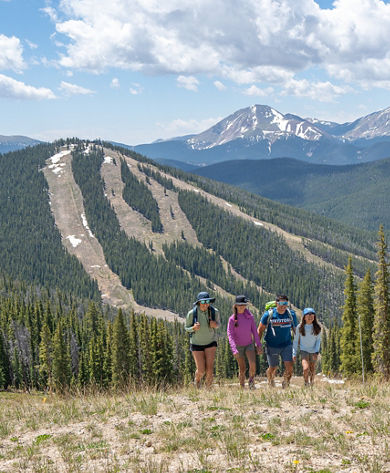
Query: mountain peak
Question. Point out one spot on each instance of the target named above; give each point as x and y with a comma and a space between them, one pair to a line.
255, 123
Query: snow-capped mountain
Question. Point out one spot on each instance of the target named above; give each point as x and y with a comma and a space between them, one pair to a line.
256, 123
371, 126
261, 132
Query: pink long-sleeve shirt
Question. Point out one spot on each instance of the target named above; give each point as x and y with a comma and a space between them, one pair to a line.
244, 333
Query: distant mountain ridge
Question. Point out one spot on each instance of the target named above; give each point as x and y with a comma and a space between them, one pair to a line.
354, 194
14, 143
261, 132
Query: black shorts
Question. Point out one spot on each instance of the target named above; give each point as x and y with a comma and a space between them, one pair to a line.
202, 347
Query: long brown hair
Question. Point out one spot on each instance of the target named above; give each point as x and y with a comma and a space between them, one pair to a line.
316, 326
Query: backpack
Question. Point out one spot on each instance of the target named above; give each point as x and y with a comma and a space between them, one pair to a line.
195, 314
270, 316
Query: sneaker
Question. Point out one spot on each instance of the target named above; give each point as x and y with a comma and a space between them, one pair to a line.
285, 384
251, 383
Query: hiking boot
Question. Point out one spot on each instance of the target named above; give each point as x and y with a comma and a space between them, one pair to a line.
307, 384
251, 383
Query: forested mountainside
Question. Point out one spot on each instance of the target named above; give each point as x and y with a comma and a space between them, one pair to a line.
81, 216
354, 194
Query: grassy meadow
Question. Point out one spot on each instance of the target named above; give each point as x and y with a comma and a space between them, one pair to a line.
325, 429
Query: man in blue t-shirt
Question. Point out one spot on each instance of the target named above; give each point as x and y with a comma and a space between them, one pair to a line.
277, 324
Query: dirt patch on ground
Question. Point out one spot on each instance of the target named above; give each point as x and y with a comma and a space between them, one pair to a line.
326, 429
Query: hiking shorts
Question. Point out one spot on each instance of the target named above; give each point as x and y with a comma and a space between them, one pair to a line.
308, 356
244, 348
202, 347
273, 354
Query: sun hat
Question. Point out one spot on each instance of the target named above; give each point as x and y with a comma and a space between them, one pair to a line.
309, 310
241, 300
204, 296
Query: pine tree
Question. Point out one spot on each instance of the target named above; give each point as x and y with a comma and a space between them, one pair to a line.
45, 357
381, 333
349, 331
120, 351
133, 349
163, 367
189, 364
107, 364
4, 364
365, 310
61, 360
145, 349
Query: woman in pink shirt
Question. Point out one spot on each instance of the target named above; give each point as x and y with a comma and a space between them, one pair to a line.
243, 337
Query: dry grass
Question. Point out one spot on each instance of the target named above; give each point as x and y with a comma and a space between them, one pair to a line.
329, 428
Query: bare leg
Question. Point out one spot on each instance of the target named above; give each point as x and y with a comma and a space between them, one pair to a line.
312, 371
306, 370
210, 357
200, 362
251, 355
242, 369
288, 371
271, 372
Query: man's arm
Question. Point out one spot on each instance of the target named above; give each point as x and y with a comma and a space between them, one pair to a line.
260, 330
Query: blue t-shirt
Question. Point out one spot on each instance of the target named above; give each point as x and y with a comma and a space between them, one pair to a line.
281, 324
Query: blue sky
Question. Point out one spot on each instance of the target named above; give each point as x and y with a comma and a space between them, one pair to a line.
134, 71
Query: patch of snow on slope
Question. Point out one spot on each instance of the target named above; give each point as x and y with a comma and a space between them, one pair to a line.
85, 223
57, 157
279, 120
73, 240
108, 160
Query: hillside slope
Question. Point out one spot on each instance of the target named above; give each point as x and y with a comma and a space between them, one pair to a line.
210, 237
355, 194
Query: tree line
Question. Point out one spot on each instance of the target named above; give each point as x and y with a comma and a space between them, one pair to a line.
360, 345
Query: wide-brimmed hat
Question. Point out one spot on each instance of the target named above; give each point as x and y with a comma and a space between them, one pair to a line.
204, 296
309, 310
241, 300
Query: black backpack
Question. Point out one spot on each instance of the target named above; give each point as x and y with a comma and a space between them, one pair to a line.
211, 311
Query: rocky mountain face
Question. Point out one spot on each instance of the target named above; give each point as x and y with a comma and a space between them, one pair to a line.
261, 132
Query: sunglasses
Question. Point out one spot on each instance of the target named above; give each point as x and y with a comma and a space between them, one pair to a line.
282, 302
203, 301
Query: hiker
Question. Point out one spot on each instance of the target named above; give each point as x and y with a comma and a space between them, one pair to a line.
243, 337
277, 323
308, 340
202, 322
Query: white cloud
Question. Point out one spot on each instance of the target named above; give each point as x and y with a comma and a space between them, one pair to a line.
250, 42
136, 89
219, 85
73, 89
11, 53
11, 88
257, 92
31, 45
182, 127
321, 91
188, 82
115, 83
